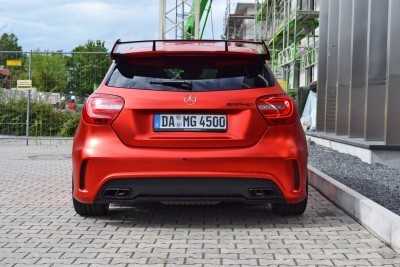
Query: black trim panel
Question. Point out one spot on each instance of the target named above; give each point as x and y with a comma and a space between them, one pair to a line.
296, 174
192, 189
82, 175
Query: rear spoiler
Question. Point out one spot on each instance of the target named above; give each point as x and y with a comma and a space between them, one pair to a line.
120, 46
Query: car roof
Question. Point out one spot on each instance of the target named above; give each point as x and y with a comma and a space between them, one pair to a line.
189, 47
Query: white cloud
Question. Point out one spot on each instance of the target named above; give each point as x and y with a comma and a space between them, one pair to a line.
65, 24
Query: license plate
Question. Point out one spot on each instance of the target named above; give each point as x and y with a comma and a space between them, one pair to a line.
189, 122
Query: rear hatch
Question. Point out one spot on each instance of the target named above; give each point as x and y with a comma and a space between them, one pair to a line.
163, 119
190, 101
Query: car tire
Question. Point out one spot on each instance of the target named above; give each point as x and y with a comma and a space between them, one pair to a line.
290, 209
84, 209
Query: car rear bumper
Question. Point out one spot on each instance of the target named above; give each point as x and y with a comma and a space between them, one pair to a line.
189, 189
279, 164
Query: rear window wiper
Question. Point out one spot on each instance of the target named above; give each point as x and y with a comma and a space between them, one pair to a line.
177, 84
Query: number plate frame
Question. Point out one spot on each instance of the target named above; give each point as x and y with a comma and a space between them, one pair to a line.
190, 123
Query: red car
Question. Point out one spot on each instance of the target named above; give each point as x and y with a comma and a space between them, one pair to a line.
189, 121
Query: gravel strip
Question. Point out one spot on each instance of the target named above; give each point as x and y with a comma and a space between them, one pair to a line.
375, 181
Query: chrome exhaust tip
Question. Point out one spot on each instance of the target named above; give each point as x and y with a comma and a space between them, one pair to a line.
262, 192
118, 193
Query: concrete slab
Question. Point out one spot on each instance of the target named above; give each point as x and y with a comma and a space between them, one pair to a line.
380, 221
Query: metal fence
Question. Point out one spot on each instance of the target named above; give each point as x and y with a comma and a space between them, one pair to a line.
58, 79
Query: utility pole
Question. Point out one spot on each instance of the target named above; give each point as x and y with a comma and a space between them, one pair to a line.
162, 20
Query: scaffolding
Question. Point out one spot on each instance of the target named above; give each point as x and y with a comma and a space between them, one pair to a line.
239, 21
289, 28
183, 19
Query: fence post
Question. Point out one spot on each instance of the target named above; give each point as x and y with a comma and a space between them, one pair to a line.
28, 108
28, 104
30, 66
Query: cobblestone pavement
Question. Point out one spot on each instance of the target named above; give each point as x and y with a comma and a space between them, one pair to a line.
38, 226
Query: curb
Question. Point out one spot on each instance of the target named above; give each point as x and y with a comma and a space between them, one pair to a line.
378, 220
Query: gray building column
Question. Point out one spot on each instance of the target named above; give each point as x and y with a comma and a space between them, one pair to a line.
322, 64
392, 122
359, 70
377, 53
344, 67
332, 66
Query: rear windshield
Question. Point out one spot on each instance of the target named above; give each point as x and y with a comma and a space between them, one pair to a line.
190, 74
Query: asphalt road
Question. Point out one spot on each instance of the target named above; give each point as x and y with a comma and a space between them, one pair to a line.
38, 226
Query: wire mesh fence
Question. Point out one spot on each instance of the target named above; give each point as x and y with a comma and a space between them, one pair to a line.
50, 107
12, 118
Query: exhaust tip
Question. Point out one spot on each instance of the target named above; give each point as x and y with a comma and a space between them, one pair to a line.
117, 193
262, 192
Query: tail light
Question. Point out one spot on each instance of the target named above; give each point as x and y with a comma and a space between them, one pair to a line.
277, 109
102, 109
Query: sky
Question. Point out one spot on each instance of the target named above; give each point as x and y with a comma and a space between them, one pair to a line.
65, 24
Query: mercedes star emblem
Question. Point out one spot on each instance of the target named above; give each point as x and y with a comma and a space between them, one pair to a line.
190, 100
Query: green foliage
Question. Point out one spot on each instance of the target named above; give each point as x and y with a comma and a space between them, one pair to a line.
87, 70
45, 119
12, 116
69, 126
9, 42
56, 72
50, 73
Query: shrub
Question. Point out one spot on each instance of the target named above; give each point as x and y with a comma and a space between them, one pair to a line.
45, 119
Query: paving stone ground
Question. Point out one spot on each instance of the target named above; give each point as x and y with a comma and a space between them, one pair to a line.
38, 226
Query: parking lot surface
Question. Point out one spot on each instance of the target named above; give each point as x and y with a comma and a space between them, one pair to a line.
38, 226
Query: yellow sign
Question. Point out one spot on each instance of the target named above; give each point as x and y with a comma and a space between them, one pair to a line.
283, 84
12, 62
24, 84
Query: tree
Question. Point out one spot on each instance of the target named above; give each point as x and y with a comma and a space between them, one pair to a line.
88, 65
49, 71
9, 42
